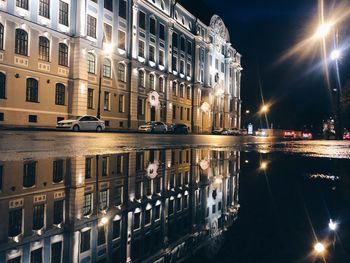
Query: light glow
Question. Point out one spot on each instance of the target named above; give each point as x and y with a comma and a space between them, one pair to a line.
319, 248
335, 54
104, 220
323, 30
332, 225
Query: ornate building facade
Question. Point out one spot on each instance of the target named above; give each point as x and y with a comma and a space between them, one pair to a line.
160, 205
132, 61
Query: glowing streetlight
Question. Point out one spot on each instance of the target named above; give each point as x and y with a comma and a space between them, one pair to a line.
104, 220
332, 225
335, 54
319, 248
264, 109
263, 166
247, 111
323, 30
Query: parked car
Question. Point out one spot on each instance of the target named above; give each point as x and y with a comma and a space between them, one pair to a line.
261, 133
217, 131
289, 134
82, 123
346, 136
153, 127
306, 135
243, 132
231, 131
178, 128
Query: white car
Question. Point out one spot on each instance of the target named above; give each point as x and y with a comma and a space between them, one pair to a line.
82, 123
154, 127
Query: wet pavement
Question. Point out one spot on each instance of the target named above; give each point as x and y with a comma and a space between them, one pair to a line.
88, 197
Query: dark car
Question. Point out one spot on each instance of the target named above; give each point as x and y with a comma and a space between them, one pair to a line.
178, 128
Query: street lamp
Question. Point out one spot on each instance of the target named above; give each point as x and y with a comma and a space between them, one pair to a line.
265, 109
332, 225
263, 166
323, 30
335, 54
319, 248
107, 50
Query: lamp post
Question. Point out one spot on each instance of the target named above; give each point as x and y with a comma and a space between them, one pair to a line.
107, 50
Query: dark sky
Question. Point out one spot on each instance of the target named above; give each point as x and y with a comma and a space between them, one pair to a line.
262, 31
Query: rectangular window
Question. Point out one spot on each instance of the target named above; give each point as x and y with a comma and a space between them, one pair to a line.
152, 26
121, 40
38, 217
22, 4
108, 4
121, 103
181, 113
85, 241
119, 168
116, 229
91, 26
87, 206
44, 8
15, 222
103, 200
107, 33
140, 110
57, 173
101, 235
58, 211
105, 165
175, 40
189, 48
189, 71
56, 252
90, 99
141, 49
88, 162
63, 13
151, 53
122, 9
182, 44
15, 260
188, 114
36, 255
139, 161
2, 116
174, 112
161, 57
182, 67
157, 213
188, 93
60, 94
29, 171
106, 101
148, 215
137, 220
222, 67
142, 20
174, 88
33, 118
174, 63
118, 196
162, 32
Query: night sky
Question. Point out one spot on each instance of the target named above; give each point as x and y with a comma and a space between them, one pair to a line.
263, 31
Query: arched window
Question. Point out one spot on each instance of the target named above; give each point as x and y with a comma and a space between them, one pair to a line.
161, 84
63, 54
91, 63
121, 72
32, 90
60, 94
2, 85
182, 90
188, 92
151, 81
44, 48
107, 68
21, 45
141, 78
1, 37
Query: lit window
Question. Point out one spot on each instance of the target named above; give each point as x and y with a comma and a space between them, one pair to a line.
121, 72
90, 99
91, 26
151, 81
21, 45
107, 68
91, 63
38, 216
87, 206
44, 8
121, 103
141, 78
107, 33
141, 49
63, 55
63, 15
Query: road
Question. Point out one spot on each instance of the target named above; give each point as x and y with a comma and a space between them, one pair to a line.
41, 144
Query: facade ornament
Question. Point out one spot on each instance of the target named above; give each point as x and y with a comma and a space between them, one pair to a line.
219, 28
153, 98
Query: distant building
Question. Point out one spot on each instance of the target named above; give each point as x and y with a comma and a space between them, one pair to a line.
140, 206
155, 59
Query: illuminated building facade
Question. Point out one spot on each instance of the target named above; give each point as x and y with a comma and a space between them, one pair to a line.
152, 59
140, 206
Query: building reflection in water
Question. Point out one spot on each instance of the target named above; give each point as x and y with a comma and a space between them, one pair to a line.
154, 205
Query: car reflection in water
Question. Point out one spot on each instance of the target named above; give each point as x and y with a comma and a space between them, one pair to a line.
158, 205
